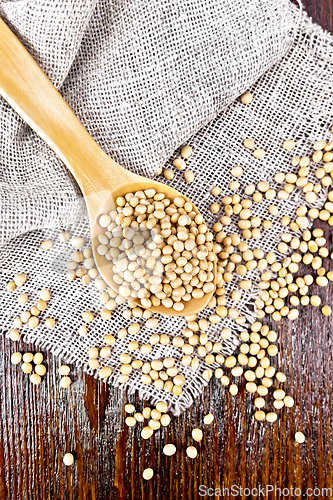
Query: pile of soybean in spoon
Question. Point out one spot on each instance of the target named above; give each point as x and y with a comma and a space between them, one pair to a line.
161, 249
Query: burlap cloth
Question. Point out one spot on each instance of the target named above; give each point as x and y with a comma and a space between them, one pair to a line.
144, 78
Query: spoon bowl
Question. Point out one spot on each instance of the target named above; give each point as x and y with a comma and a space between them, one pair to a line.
103, 202
31, 94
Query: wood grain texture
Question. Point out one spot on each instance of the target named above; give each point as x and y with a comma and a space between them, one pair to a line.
39, 425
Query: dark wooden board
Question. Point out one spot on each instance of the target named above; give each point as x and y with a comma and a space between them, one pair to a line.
38, 425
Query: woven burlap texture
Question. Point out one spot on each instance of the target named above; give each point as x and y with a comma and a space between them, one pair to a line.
141, 92
143, 76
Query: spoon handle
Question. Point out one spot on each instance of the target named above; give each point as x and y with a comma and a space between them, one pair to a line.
27, 89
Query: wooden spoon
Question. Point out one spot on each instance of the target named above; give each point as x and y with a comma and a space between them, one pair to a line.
28, 90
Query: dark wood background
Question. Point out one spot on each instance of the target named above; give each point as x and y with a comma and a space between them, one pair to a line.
38, 425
